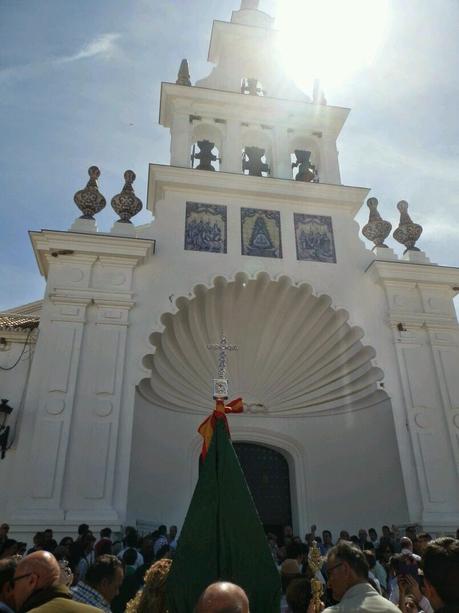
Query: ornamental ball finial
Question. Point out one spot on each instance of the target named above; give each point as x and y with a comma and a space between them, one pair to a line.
94, 172
372, 203
129, 176
407, 232
377, 229
89, 200
126, 204
402, 206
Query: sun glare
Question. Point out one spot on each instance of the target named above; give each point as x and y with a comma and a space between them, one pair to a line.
329, 40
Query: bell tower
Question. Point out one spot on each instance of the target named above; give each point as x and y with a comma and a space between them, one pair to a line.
247, 116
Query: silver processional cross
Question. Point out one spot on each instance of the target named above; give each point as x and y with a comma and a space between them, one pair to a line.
220, 387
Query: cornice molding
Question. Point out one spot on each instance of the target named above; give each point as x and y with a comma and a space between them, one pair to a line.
81, 246
296, 114
194, 182
401, 273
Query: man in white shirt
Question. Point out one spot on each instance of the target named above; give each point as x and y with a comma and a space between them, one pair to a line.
172, 538
161, 540
347, 570
131, 543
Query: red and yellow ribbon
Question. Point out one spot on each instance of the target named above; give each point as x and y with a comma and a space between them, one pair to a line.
207, 428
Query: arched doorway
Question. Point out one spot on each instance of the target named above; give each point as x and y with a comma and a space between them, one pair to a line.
268, 477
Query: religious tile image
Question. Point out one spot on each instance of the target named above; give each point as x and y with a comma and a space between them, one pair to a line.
314, 238
205, 227
261, 233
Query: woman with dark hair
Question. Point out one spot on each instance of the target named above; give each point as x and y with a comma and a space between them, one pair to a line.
299, 595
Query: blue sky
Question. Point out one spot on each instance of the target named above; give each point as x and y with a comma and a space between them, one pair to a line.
80, 81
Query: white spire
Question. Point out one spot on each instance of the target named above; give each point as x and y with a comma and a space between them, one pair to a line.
249, 4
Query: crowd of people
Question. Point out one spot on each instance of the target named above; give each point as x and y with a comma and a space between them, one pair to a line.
410, 572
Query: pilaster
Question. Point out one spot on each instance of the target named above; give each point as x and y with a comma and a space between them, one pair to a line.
426, 338
69, 432
44, 429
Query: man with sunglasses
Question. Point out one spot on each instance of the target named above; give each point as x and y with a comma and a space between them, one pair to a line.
347, 571
37, 587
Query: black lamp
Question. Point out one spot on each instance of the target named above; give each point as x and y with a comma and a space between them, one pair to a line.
4, 429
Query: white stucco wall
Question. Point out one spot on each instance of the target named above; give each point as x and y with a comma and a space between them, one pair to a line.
344, 469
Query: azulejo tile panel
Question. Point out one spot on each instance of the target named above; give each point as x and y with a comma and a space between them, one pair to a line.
261, 233
206, 227
314, 238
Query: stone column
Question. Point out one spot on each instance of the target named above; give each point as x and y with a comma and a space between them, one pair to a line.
232, 147
329, 166
282, 164
180, 139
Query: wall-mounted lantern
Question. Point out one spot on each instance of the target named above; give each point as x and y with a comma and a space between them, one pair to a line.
5, 410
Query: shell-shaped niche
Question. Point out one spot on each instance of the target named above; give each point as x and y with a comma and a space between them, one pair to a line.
296, 354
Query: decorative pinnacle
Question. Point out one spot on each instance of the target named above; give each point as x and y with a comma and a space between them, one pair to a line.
249, 4
407, 232
126, 204
183, 77
89, 200
377, 229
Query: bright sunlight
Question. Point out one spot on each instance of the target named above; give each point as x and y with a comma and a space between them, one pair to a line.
329, 39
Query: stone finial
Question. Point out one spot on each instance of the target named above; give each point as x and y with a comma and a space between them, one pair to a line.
89, 200
377, 229
126, 204
250, 4
183, 77
407, 232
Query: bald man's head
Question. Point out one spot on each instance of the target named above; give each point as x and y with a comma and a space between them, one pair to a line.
37, 571
223, 597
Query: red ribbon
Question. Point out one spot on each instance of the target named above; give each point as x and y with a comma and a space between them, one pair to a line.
207, 428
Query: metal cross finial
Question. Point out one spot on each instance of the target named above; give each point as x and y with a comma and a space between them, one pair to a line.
223, 347
221, 383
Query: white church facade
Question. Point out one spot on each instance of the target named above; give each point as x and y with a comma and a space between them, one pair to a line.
347, 361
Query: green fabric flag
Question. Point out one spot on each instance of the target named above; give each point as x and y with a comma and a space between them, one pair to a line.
222, 537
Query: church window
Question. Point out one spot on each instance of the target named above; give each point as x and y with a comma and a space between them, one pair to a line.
254, 162
205, 156
252, 87
302, 167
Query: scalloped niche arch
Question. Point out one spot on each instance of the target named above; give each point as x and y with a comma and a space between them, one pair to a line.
297, 356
